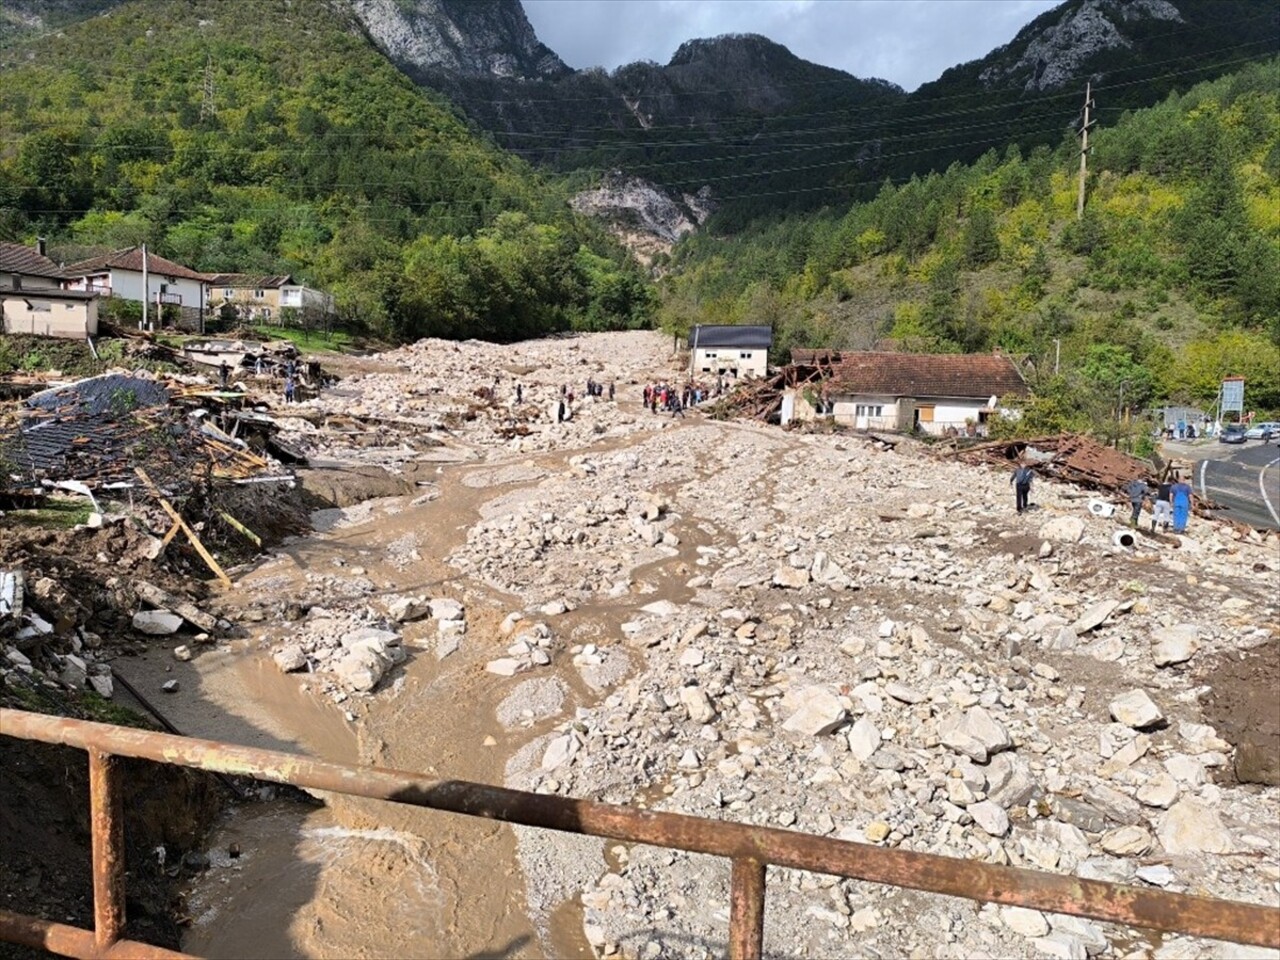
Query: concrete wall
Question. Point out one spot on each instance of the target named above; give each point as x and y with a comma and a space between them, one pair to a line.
709, 361
72, 319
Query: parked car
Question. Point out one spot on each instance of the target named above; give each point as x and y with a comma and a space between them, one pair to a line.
1263, 431
1231, 433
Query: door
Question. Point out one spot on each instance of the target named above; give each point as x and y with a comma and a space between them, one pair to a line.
924, 417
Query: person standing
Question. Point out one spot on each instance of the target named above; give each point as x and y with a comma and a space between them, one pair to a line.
1021, 481
1180, 493
288, 389
223, 372
519, 393
1162, 507
610, 391
1137, 491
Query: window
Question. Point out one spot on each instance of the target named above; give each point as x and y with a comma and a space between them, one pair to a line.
744, 355
711, 354
164, 288
259, 294
869, 410
228, 292
266, 313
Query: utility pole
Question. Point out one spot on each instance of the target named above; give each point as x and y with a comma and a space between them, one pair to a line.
146, 293
1057, 354
207, 107
1084, 147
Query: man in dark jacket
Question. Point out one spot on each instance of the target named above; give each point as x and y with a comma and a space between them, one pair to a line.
1021, 481
1137, 490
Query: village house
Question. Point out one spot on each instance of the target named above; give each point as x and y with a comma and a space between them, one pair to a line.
32, 299
261, 298
736, 351
120, 274
940, 394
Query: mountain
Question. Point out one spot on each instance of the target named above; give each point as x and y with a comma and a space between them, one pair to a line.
461, 38
242, 136
765, 130
1166, 284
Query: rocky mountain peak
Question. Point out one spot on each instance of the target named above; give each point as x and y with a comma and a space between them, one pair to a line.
1047, 56
465, 38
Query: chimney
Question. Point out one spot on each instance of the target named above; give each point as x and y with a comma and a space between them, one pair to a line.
40, 245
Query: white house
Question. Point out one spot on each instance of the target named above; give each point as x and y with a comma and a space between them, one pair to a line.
737, 351
120, 274
32, 301
935, 393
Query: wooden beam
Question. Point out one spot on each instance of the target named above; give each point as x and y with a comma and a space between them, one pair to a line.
190, 534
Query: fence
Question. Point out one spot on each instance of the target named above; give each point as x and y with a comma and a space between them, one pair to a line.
749, 848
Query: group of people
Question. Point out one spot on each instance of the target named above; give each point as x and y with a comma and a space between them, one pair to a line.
664, 396
1170, 499
1170, 502
595, 389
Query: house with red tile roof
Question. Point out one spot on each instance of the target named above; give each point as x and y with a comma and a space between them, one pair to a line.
120, 274
937, 393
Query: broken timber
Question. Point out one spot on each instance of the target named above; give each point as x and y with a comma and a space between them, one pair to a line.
179, 522
163, 600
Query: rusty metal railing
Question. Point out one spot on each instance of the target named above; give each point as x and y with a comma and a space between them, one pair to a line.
750, 849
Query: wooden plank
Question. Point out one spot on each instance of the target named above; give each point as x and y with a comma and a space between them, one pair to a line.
164, 600
236, 524
190, 534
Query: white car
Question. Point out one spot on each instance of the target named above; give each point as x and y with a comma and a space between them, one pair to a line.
1263, 431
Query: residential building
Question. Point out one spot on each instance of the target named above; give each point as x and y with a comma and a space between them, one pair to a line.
120, 274
32, 300
261, 298
736, 351
49, 312
941, 394
23, 267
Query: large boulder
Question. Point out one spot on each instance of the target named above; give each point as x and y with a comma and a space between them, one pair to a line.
1135, 709
1062, 529
817, 711
156, 623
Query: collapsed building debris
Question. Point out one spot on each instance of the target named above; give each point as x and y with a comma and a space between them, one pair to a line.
1070, 457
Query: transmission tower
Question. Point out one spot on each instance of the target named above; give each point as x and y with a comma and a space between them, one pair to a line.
207, 106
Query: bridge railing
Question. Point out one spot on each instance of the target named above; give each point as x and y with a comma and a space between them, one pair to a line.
749, 848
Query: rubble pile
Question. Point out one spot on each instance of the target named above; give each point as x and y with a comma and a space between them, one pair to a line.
448, 400
74, 601
908, 666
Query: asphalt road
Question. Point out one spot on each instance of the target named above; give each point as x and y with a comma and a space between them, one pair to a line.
1244, 478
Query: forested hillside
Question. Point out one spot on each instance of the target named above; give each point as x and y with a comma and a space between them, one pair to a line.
1168, 283
247, 135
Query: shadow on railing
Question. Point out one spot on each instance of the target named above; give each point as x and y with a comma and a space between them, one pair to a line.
749, 848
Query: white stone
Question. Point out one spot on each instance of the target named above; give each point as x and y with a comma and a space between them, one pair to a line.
990, 818
978, 724
1095, 616
689, 760
1028, 923
1156, 874
444, 608
1062, 946
156, 623
505, 666
1190, 826
1062, 530
1160, 791
405, 609
819, 711
1135, 709
697, 704
1178, 644
169, 686
1131, 841
102, 685
290, 658
790, 578
691, 658
560, 750
864, 739
182, 652
74, 671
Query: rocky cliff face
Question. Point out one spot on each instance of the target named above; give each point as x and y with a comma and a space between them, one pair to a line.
1056, 55
645, 218
463, 38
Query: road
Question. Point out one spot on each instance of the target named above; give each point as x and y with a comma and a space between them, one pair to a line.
1245, 479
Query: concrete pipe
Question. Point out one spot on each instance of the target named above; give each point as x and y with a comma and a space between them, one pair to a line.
1123, 538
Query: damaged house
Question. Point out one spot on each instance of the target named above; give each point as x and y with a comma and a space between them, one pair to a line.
940, 394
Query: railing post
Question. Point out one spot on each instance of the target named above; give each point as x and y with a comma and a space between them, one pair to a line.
746, 909
106, 820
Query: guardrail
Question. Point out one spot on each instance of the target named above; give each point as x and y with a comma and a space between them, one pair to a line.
750, 848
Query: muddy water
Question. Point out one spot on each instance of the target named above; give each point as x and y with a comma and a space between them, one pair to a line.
365, 879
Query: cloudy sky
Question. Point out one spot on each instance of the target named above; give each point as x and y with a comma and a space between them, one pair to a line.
906, 41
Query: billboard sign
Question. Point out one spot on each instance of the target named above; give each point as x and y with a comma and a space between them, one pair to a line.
1233, 394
